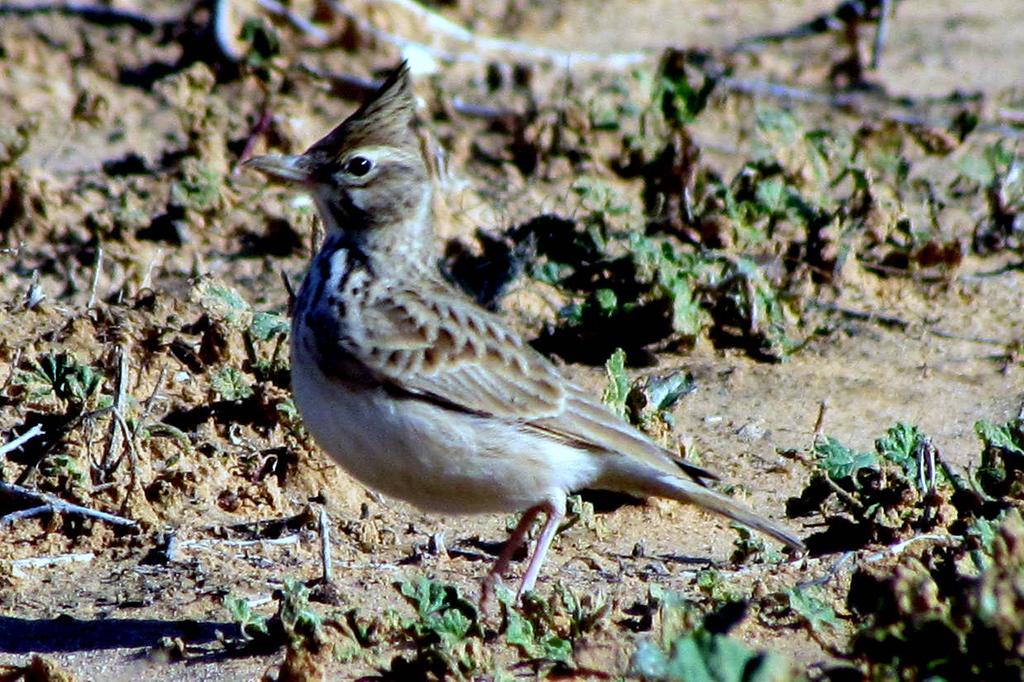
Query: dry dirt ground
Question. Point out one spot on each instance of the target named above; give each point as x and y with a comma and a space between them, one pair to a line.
110, 144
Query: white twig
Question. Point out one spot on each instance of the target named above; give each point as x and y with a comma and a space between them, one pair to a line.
900, 547
324, 524
212, 542
116, 441
13, 445
97, 268
147, 280
319, 36
18, 565
435, 24
891, 551
881, 33
60, 506
8, 519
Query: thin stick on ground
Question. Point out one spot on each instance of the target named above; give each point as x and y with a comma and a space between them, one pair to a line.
97, 269
318, 36
13, 445
836, 19
115, 445
100, 14
885, 11
209, 543
819, 423
477, 47
324, 525
18, 566
850, 102
41, 499
819, 426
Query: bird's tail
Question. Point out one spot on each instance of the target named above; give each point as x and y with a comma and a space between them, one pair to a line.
694, 493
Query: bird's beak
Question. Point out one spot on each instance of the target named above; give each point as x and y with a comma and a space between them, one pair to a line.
290, 168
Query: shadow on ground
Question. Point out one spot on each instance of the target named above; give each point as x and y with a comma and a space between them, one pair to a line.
66, 634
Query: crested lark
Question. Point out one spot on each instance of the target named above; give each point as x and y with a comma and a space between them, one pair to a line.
421, 394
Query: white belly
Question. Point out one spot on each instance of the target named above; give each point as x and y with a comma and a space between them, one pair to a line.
435, 458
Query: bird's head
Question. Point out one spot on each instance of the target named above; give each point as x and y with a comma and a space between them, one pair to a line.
368, 175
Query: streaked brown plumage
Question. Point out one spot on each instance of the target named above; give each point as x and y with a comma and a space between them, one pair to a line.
416, 390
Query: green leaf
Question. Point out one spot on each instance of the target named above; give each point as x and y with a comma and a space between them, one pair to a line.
705, 657
684, 102
549, 272
165, 430
771, 195
711, 583
899, 446
262, 40
521, 634
617, 391
841, 462
1008, 437
663, 392
426, 595
266, 325
452, 625
199, 186
223, 303
442, 611
249, 622
686, 312
230, 384
812, 607
607, 301
296, 616
62, 375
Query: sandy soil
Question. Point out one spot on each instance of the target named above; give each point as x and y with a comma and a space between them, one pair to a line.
103, 618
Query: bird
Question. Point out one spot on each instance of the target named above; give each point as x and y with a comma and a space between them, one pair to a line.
417, 391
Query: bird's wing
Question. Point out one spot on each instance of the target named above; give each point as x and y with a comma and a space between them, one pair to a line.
439, 346
436, 345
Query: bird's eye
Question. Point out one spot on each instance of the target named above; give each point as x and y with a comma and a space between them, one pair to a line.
358, 166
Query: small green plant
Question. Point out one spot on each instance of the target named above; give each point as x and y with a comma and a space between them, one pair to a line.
879, 496
295, 625
263, 44
927, 618
300, 622
580, 512
198, 188
62, 376
532, 629
250, 623
230, 384
617, 390
840, 462
1000, 475
586, 612
682, 650
265, 334
750, 547
813, 608
715, 588
446, 632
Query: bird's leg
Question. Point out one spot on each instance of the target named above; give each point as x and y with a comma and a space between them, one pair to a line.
514, 542
555, 509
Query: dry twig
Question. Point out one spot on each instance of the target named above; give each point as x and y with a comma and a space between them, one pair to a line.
324, 524
13, 445
100, 14
18, 566
434, 24
97, 269
47, 502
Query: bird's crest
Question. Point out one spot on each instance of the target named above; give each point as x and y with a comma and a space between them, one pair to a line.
386, 119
